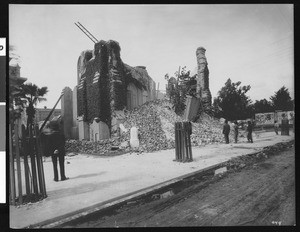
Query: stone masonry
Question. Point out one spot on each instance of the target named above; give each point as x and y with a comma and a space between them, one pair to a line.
105, 88
203, 91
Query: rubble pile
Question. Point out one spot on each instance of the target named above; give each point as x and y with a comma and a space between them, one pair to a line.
245, 160
206, 130
101, 147
155, 121
151, 135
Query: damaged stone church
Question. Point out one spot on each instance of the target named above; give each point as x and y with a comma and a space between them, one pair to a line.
106, 86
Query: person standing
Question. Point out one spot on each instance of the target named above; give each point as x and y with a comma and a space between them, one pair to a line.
249, 130
276, 126
285, 125
236, 131
226, 130
54, 145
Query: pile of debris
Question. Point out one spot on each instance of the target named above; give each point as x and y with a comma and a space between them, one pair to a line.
206, 130
101, 147
237, 163
155, 121
146, 118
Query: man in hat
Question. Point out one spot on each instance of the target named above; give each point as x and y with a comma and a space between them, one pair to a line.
249, 130
236, 131
276, 127
226, 130
53, 141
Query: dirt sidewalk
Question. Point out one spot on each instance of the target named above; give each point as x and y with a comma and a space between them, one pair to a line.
261, 193
102, 180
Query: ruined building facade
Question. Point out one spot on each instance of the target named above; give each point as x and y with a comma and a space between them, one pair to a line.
105, 88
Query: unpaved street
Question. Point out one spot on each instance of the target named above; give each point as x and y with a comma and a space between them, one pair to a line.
261, 193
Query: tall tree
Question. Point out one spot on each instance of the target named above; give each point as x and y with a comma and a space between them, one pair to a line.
16, 103
232, 103
263, 106
179, 87
32, 94
281, 100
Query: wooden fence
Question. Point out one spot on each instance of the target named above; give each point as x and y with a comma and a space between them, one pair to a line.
27, 179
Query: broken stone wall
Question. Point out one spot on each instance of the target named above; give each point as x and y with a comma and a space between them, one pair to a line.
116, 76
94, 87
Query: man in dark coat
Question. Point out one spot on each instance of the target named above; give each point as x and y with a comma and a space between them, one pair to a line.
226, 130
249, 130
284, 125
236, 131
53, 143
276, 127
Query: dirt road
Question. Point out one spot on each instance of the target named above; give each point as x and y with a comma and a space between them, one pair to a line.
260, 193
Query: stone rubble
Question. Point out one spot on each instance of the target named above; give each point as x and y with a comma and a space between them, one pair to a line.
242, 161
155, 121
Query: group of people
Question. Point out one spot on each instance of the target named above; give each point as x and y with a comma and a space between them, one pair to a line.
226, 130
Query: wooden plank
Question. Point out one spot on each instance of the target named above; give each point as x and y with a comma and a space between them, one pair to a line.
50, 113
186, 132
39, 161
26, 167
12, 169
44, 192
182, 139
33, 163
176, 142
17, 149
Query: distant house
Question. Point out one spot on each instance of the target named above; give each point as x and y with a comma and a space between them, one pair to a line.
14, 71
264, 119
42, 113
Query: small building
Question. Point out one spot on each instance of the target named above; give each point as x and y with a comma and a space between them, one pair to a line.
42, 113
14, 71
268, 119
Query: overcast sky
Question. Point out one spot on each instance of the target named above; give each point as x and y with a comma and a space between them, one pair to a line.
248, 43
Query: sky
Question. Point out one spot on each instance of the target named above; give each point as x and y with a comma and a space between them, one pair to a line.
251, 43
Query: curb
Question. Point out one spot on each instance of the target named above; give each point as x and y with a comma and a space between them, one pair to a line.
55, 222
118, 201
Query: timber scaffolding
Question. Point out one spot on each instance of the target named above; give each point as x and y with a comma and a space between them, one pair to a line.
86, 32
26, 180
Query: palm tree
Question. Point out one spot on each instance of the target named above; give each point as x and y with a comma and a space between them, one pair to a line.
32, 94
